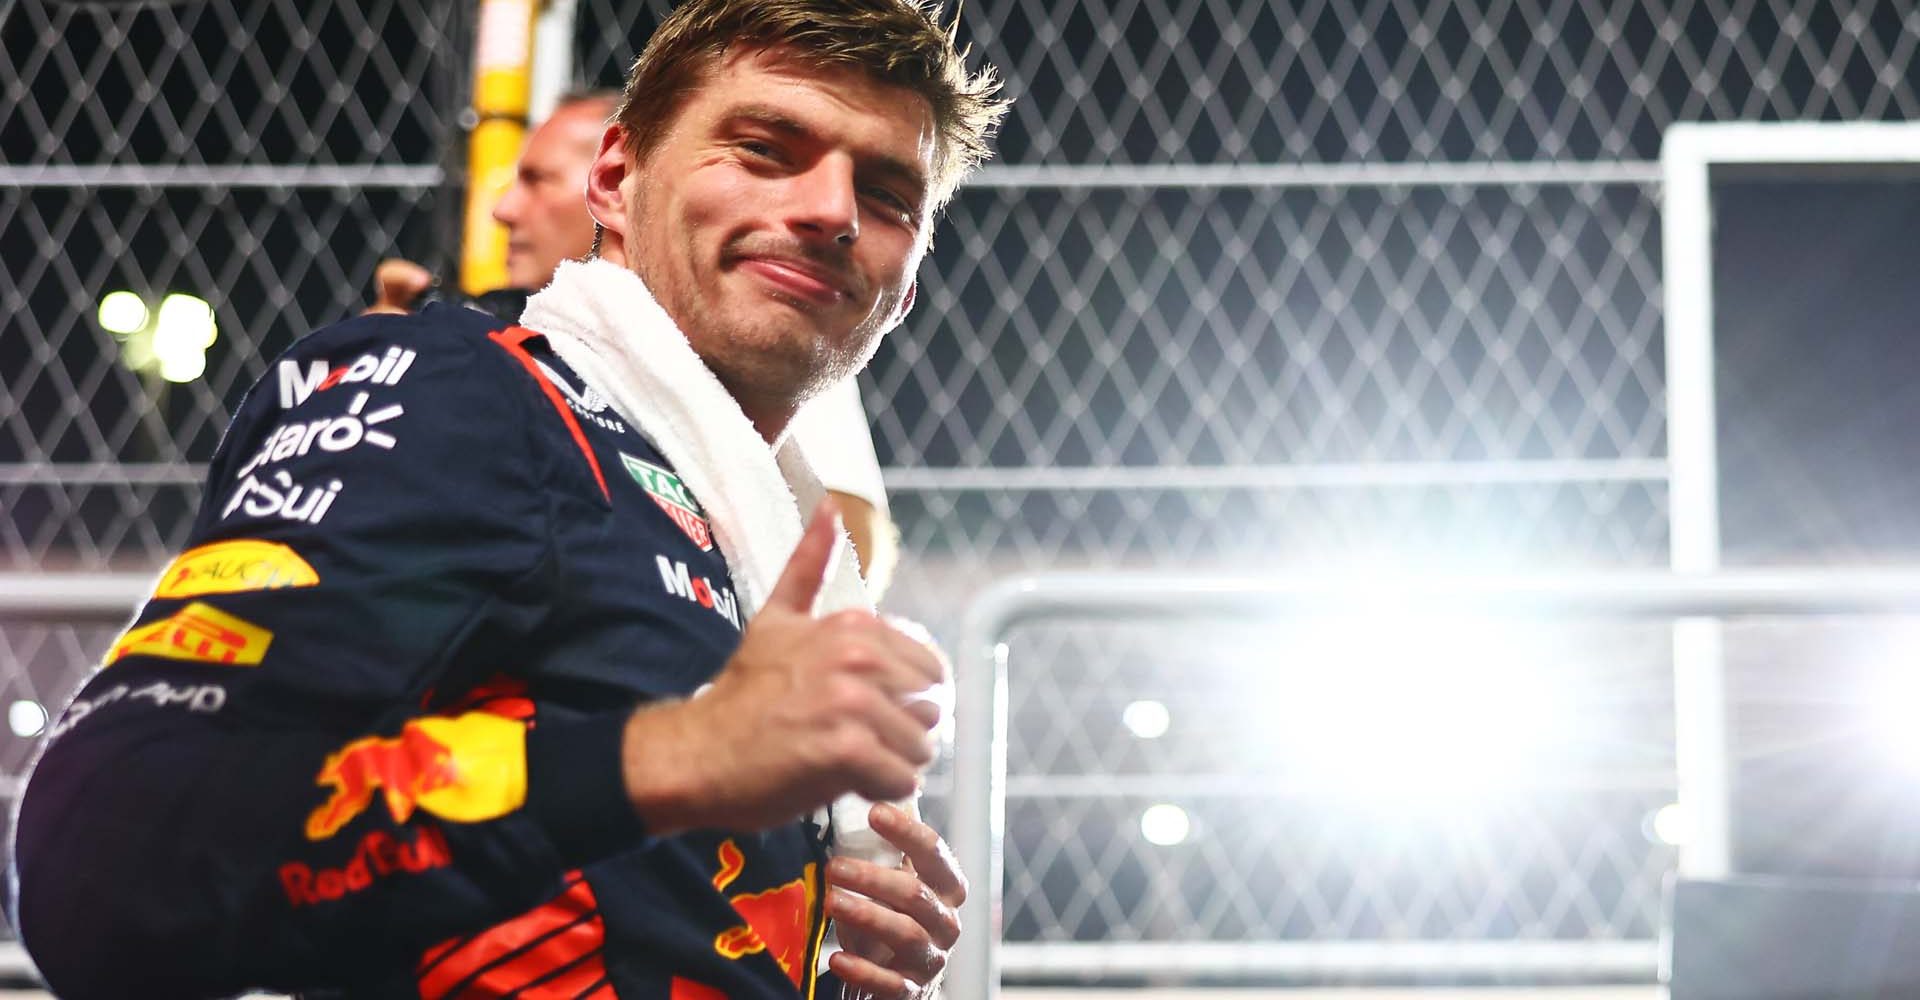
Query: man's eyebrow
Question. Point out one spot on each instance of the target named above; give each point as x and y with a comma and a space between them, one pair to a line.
776, 120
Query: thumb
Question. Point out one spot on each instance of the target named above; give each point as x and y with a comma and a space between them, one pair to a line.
806, 570
397, 282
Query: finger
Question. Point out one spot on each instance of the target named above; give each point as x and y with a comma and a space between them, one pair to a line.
925, 711
888, 778
898, 665
878, 924
897, 741
928, 665
932, 859
918, 633
903, 733
902, 894
806, 570
875, 980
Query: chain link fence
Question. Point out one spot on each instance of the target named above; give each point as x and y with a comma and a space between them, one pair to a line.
1298, 833
1250, 285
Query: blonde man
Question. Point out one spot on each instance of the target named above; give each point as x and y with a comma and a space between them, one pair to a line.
502, 662
547, 222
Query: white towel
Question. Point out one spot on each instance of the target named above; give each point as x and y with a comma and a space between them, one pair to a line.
604, 323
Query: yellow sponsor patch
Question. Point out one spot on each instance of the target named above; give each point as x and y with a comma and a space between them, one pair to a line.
229, 567
199, 633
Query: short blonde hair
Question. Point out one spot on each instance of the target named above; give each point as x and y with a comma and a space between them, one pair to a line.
897, 42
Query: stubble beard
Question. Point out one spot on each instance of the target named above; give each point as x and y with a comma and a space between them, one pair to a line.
764, 365
766, 368
769, 364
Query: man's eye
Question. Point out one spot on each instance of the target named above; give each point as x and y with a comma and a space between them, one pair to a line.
764, 150
891, 200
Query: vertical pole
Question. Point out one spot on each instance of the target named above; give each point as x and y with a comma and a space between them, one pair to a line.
980, 794
552, 58
502, 57
1700, 690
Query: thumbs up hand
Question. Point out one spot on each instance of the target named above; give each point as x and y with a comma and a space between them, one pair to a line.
396, 284
805, 710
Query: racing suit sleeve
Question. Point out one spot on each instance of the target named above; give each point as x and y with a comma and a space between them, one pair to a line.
312, 756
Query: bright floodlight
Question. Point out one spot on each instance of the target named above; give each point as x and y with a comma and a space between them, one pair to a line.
1427, 711
184, 366
26, 718
122, 313
1670, 825
182, 331
1146, 719
186, 320
1165, 825
1896, 711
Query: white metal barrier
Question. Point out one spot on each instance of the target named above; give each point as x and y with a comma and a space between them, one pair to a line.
980, 762
90, 597
979, 773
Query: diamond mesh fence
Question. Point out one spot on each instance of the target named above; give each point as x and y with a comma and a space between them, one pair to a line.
1299, 831
1354, 780
1128, 82
1251, 285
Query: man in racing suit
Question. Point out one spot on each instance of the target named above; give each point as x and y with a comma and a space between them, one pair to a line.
547, 223
455, 692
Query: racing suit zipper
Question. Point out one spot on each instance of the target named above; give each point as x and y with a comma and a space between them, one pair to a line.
819, 836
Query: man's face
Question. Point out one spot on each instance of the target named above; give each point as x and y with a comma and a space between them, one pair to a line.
545, 210
779, 220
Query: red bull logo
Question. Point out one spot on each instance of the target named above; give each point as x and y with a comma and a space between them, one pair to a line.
778, 920
465, 769
379, 855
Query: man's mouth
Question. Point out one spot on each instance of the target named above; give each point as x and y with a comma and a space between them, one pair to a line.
803, 281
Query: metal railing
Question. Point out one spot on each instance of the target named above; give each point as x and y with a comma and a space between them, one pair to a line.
74, 597
979, 774
980, 761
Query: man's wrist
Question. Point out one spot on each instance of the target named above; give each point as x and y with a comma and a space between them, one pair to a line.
661, 782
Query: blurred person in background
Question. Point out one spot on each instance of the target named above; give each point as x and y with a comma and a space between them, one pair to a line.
502, 660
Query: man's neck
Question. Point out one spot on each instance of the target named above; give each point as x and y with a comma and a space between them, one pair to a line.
771, 422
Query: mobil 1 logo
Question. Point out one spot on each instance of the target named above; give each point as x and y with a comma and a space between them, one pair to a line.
265, 488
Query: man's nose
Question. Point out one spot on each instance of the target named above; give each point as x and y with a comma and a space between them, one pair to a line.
507, 210
825, 206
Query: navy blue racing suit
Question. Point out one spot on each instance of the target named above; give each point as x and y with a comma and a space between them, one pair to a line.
364, 738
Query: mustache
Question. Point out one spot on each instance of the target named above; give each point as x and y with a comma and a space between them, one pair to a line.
832, 262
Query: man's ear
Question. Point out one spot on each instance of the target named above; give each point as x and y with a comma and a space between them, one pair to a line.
906, 306
606, 201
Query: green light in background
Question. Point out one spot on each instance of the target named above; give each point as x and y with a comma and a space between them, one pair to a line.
183, 367
183, 329
122, 313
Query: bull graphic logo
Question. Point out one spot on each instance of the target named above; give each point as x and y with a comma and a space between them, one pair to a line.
777, 920
464, 769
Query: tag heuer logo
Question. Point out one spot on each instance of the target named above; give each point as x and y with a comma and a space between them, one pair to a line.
671, 494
